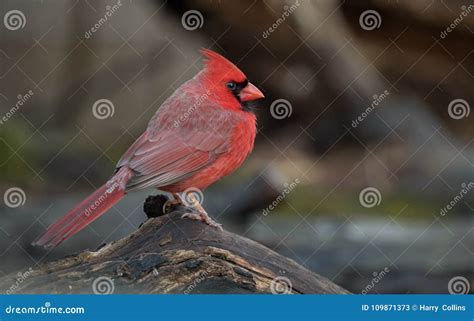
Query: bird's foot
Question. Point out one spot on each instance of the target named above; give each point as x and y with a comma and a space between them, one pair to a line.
171, 203
203, 217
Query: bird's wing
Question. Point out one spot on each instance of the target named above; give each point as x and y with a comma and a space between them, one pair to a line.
178, 142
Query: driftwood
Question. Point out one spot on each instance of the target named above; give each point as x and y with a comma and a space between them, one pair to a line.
168, 254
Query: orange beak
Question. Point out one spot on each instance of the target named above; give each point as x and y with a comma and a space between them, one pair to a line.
250, 92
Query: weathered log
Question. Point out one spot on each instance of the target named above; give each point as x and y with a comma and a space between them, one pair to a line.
170, 254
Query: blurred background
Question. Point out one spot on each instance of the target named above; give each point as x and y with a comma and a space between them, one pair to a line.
363, 169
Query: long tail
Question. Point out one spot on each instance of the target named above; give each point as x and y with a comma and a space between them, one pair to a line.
87, 211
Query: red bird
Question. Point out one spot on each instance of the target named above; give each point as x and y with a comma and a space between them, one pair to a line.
203, 132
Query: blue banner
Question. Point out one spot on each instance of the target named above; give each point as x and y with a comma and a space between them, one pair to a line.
237, 307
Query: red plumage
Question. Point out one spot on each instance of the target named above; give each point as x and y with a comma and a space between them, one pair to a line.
201, 133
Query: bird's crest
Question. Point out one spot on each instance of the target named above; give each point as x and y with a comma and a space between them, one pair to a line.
221, 67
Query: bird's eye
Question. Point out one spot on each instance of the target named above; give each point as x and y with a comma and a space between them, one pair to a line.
231, 85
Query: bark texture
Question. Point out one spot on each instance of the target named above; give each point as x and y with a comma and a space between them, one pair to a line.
168, 254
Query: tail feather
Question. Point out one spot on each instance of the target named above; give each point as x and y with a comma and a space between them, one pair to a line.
83, 214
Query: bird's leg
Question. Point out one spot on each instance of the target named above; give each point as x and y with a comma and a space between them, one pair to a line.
202, 214
172, 202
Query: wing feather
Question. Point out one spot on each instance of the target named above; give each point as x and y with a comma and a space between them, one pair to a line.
166, 153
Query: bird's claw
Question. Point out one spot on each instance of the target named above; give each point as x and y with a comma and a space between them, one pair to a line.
170, 203
203, 217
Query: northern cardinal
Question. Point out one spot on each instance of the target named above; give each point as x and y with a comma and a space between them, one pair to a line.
202, 132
